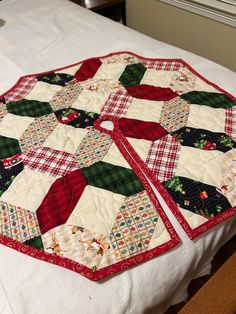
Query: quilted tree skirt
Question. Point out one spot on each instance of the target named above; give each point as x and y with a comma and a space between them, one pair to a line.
75, 194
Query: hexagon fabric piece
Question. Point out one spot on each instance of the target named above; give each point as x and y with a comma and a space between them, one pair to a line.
24, 86
93, 148
88, 69
18, 223
150, 92
214, 100
174, 114
132, 74
8, 174
60, 200
76, 118
29, 108
116, 179
56, 78
8, 147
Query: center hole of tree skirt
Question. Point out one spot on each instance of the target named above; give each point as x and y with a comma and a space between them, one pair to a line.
107, 124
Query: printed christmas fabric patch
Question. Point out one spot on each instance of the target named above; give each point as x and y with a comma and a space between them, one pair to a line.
75, 194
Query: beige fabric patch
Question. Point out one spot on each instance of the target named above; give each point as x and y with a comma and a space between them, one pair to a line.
160, 235
194, 220
71, 70
157, 78
110, 70
28, 189
43, 92
90, 101
200, 165
96, 210
202, 86
205, 117
228, 186
115, 157
141, 147
14, 126
145, 110
65, 138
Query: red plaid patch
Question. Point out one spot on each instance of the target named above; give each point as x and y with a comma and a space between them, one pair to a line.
25, 85
52, 161
230, 122
117, 104
163, 157
163, 65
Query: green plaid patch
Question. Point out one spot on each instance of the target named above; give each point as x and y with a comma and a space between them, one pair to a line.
132, 74
113, 178
8, 147
29, 108
214, 100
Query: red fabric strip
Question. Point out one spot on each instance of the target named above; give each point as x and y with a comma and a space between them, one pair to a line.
151, 131
149, 92
88, 69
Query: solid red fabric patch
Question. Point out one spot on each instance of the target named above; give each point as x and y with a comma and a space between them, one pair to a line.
60, 200
141, 129
149, 92
88, 69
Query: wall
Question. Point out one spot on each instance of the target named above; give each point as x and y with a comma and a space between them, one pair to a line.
192, 32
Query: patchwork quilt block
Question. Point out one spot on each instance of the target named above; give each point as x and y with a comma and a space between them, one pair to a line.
75, 194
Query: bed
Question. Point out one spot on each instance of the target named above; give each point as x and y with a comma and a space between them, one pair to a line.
40, 36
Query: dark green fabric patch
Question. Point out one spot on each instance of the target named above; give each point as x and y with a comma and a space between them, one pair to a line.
36, 243
204, 139
56, 78
8, 175
214, 100
113, 178
132, 74
29, 108
197, 197
8, 147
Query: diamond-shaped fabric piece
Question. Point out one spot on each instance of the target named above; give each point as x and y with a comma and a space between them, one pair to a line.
60, 200
29, 108
17, 223
96, 210
150, 92
174, 114
43, 92
37, 132
28, 189
214, 100
112, 178
93, 148
132, 74
8, 147
134, 226
14, 126
51, 161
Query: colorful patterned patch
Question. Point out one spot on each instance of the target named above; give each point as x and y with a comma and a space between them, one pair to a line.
230, 122
214, 100
88, 69
116, 179
66, 96
22, 89
150, 92
183, 81
121, 58
93, 148
29, 108
141, 129
3, 109
56, 78
132, 74
37, 132
197, 197
8, 147
204, 139
174, 114
8, 175
76, 118
117, 104
18, 223
102, 86
60, 200
134, 226
163, 157
51, 161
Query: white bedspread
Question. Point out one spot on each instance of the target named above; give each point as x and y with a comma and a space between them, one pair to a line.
42, 35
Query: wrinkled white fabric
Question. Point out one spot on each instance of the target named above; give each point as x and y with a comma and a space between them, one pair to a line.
43, 35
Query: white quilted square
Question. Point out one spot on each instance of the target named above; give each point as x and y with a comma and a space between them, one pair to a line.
43, 92
14, 126
28, 189
96, 210
110, 71
91, 101
115, 157
65, 138
157, 78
